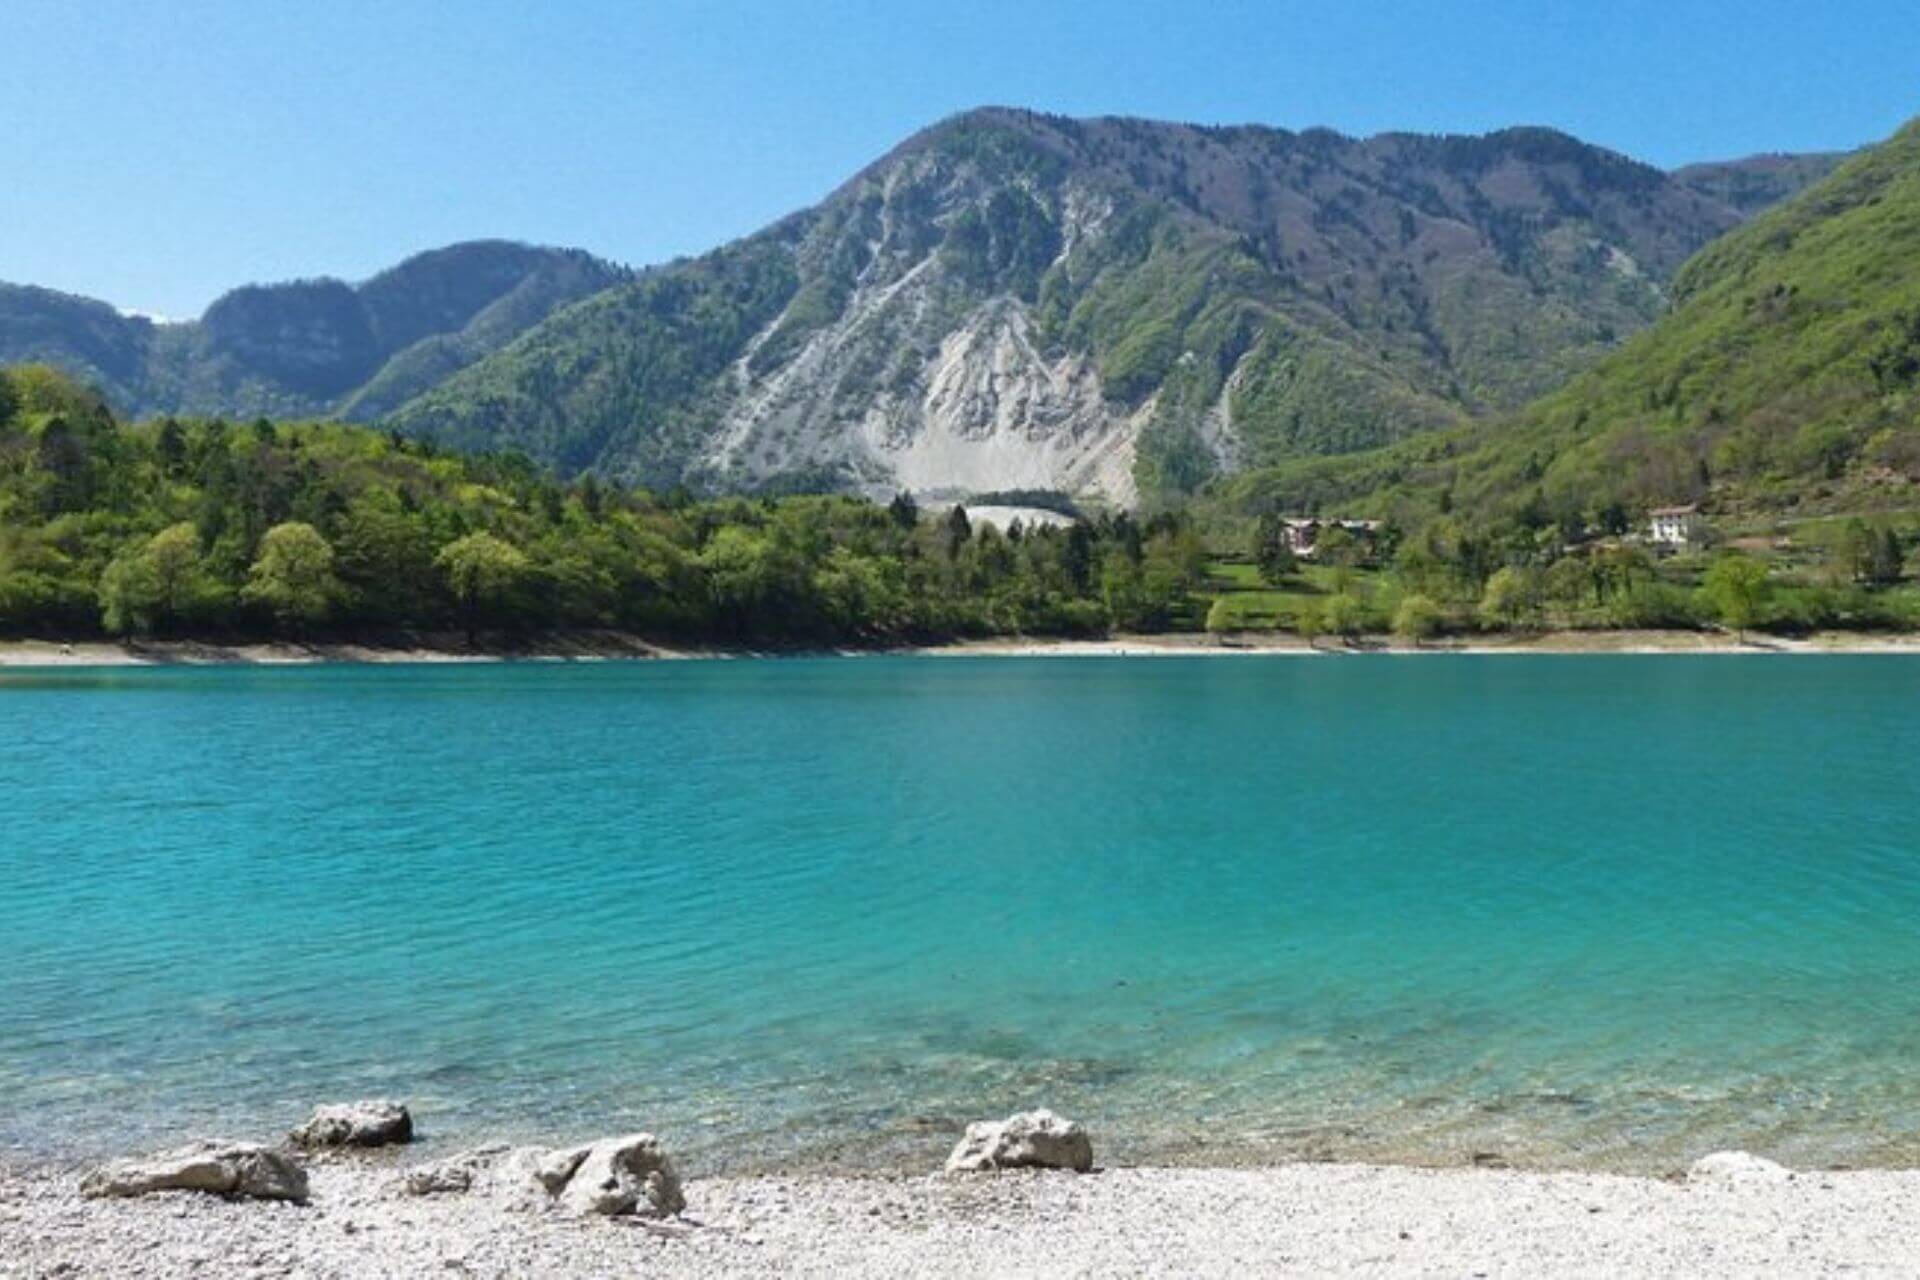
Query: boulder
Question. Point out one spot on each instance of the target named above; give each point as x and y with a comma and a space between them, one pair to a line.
554, 1169
618, 1176
614, 1176
219, 1168
1736, 1168
1029, 1140
370, 1123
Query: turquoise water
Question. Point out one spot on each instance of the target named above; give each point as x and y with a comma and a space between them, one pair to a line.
1576, 911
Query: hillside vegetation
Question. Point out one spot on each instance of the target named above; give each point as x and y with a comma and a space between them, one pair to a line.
1782, 386
209, 529
1113, 307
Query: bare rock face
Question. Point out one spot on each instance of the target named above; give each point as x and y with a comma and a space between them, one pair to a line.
369, 1123
1736, 1168
218, 1168
1029, 1140
616, 1176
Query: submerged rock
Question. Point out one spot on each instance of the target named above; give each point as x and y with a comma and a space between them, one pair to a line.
1736, 1167
1029, 1140
218, 1168
369, 1123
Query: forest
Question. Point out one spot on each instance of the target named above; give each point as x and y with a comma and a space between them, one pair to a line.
310, 531
307, 531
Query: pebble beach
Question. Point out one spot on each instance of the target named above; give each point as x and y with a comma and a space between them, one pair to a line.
1308, 1219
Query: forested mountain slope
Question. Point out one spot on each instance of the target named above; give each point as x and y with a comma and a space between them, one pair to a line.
1786, 379
1108, 306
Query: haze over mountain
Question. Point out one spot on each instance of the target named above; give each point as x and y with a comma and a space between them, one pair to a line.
308, 347
1786, 379
1006, 300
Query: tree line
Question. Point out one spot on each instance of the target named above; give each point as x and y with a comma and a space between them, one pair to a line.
208, 528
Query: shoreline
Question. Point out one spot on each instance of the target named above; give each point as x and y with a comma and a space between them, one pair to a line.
35, 654
1289, 1219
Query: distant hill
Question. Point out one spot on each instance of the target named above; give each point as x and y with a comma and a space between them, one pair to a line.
1786, 379
1010, 300
308, 347
1757, 182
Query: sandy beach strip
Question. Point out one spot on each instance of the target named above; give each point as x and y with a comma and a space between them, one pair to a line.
1309, 1219
45, 654
1264, 644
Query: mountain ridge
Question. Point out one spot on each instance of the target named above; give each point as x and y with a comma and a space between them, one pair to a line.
1116, 307
311, 346
1009, 299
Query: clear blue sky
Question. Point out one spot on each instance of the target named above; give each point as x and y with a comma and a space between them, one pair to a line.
161, 152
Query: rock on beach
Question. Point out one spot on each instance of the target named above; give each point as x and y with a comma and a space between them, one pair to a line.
620, 1176
1028, 1140
218, 1168
368, 1123
611, 1177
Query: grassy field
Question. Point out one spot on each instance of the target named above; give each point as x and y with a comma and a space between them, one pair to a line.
1253, 605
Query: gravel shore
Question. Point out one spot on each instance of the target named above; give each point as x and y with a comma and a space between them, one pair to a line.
1293, 1220
599, 646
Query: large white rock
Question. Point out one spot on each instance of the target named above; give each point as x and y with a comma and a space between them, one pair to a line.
629, 1175
616, 1176
1736, 1167
219, 1168
1029, 1140
369, 1123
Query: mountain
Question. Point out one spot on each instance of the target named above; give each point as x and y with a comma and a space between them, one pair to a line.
1785, 379
1755, 183
310, 347
1104, 306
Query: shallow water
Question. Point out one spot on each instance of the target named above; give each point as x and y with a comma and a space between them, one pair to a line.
1574, 911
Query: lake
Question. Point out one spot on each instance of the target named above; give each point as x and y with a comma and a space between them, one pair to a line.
1569, 911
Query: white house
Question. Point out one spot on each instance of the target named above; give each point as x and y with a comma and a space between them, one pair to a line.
1303, 532
1676, 526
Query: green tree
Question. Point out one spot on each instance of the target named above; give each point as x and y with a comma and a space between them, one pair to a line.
1737, 588
1077, 556
1273, 551
1344, 615
1883, 558
1854, 549
1568, 580
480, 569
1121, 590
157, 586
293, 575
959, 529
1510, 596
1309, 622
1335, 545
1220, 618
127, 594
1417, 619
